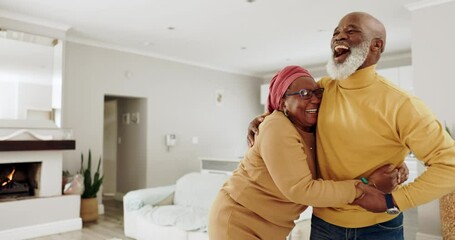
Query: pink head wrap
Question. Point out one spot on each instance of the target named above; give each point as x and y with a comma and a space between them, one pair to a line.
281, 82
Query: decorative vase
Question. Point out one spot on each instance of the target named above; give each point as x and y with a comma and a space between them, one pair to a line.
447, 212
89, 209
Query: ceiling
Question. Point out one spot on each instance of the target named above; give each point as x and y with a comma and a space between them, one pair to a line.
250, 37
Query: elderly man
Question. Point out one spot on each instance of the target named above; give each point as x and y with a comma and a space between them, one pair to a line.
366, 122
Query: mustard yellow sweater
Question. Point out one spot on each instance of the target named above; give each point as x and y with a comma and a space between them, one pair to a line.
274, 180
366, 122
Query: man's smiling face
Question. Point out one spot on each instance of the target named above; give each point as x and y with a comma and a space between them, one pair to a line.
347, 34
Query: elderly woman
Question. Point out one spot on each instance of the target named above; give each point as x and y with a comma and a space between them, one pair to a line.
275, 182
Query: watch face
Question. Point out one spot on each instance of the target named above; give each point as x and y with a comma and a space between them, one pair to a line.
393, 210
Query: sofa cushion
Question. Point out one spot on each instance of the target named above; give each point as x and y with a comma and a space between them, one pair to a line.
182, 217
198, 190
135, 200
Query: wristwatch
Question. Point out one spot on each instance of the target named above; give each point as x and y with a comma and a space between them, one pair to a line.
391, 208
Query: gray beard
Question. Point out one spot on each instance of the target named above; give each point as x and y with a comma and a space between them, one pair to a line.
340, 71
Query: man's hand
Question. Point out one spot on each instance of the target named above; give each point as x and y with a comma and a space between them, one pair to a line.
384, 178
373, 200
253, 128
387, 177
403, 173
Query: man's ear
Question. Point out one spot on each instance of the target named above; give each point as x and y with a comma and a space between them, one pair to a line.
378, 44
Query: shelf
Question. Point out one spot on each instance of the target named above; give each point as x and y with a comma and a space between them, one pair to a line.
36, 145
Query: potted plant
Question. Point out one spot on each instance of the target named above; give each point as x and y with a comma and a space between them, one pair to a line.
89, 202
447, 210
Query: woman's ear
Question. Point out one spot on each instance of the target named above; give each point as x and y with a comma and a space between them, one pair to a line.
282, 104
283, 107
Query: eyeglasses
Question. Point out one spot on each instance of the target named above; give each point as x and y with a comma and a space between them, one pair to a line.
307, 94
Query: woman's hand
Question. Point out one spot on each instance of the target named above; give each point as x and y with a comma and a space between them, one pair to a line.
253, 128
387, 177
372, 199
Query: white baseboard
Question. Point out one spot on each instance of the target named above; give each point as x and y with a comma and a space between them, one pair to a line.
423, 236
42, 229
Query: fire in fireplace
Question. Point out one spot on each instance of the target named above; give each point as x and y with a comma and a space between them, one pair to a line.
19, 179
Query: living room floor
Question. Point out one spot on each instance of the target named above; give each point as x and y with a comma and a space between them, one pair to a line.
110, 225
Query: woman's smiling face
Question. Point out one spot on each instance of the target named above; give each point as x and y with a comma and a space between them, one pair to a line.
303, 110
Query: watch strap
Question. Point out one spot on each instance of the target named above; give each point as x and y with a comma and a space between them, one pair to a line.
389, 200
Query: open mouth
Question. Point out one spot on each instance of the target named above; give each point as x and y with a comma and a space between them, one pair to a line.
341, 52
312, 111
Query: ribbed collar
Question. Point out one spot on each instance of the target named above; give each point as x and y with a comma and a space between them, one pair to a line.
360, 79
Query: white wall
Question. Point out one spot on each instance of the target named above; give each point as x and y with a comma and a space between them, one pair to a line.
18, 97
401, 76
180, 100
432, 58
8, 100
33, 97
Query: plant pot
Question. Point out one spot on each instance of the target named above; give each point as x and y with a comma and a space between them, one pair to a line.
447, 212
89, 209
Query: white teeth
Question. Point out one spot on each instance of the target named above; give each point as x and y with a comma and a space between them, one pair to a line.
312, 110
341, 46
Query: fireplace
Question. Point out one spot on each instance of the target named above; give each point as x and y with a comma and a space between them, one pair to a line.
31, 184
19, 180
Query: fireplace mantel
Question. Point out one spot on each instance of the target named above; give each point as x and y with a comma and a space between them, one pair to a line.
48, 211
36, 145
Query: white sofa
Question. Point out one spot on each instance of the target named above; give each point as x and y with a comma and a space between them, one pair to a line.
177, 212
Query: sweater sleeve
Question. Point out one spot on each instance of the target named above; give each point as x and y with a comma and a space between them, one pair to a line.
282, 151
419, 129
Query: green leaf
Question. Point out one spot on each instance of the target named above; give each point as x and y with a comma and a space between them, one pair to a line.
91, 185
